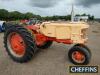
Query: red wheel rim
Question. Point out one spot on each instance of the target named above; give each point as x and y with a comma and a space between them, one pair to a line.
17, 44
78, 57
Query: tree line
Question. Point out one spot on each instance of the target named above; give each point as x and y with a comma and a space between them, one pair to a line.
15, 15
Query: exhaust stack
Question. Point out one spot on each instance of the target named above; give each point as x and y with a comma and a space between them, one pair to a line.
72, 14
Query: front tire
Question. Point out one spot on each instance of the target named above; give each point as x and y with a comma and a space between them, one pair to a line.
84, 46
79, 55
19, 44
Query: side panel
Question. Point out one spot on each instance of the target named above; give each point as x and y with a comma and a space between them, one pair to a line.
63, 32
48, 30
76, 34
60, 32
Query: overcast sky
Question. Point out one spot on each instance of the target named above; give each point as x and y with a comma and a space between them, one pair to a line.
52, 7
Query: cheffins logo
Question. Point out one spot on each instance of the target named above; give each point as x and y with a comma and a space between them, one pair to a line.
83, 69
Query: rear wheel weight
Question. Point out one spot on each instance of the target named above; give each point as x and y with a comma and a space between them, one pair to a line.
30, 46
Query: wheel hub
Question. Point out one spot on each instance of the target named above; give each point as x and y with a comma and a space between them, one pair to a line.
17, 44
78, 56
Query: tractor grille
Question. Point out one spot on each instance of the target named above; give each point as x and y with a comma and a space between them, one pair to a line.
84, 33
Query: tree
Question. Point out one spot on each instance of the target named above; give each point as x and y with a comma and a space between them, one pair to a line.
77, 15
15, 15
68, 17
28, 15
84, 14
37, 16
3, 14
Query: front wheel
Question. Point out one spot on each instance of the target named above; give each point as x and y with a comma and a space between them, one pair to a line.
84, 46
79, 55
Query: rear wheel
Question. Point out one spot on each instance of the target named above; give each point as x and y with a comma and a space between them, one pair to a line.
79, 55
19, 44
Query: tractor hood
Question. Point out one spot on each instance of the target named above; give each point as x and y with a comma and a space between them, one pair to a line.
62, 30
72, 24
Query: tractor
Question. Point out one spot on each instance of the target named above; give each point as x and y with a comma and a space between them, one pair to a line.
22, 42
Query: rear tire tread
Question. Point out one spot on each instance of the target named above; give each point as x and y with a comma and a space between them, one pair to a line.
31, 46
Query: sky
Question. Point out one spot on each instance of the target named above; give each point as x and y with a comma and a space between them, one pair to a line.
52, 7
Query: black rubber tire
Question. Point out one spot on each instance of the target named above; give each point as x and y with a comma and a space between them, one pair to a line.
46, 45
80, 49
28, 39
7, 25
84, 46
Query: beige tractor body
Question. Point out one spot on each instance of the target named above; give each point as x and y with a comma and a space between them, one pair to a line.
76, 31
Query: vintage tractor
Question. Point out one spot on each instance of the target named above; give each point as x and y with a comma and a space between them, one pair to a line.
22, 42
